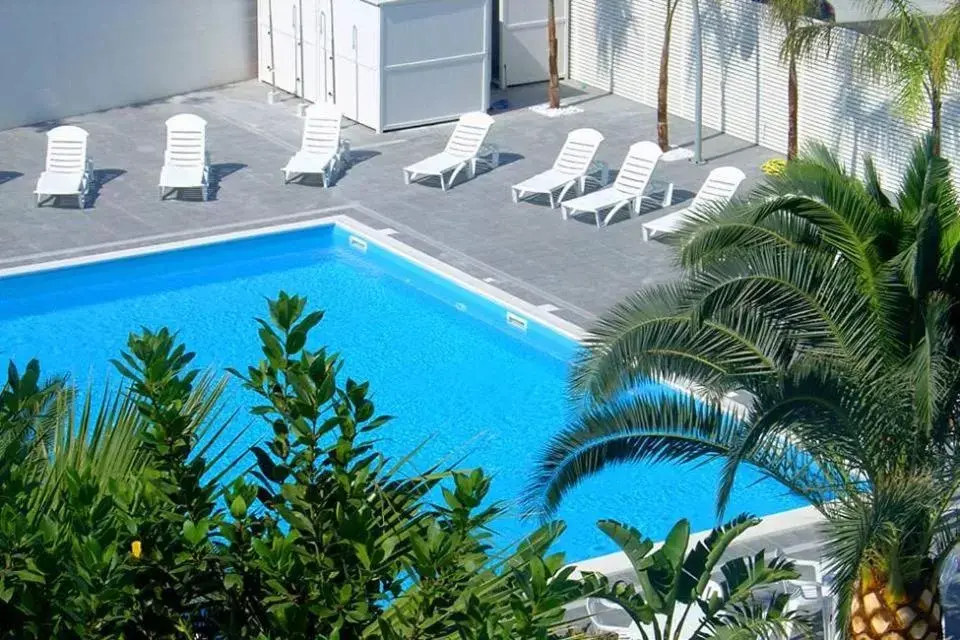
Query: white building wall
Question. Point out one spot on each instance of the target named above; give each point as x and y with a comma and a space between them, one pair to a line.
436, 60
615, 45
63, 57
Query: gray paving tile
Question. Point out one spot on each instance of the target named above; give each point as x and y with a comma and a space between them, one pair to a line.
475, 225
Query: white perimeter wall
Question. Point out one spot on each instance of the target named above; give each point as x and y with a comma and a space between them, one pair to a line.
66, 57
615, 45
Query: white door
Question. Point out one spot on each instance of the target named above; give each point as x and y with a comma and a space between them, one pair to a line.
315, 50
325, 45
347, 42
285, 54
523, 41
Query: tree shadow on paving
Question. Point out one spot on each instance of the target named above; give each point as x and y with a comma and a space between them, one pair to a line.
529, 95
45, 126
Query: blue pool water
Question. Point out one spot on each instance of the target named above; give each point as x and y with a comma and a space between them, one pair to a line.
439, 358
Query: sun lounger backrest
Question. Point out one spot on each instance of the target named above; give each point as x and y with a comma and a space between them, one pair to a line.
719, 187
66, 150
186, 141
321, 129
637, 168
468, 136
578, 151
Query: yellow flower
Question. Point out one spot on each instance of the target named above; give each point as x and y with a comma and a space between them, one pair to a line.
136, 549
773, 166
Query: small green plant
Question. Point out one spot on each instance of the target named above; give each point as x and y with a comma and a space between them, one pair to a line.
673, 595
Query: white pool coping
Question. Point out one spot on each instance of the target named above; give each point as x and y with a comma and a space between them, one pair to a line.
611, 564
382, 238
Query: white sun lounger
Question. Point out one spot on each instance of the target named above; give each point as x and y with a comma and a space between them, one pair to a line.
185, 163
322, 152
570, 169
719, 187
627, 189
68, 170
464, 150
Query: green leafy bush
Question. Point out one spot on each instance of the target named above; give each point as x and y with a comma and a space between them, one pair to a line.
113, 525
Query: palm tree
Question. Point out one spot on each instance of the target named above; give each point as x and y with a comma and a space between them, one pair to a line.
553, 88
792, 16
918, 54
832, 308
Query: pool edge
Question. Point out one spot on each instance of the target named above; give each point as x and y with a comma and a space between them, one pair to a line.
352, 226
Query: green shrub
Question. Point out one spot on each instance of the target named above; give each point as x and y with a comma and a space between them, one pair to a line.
112, 524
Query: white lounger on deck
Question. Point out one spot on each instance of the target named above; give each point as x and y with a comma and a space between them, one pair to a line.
719, 187
185, 160
627, 189
570, 169
464, 150
322, 151
68, 171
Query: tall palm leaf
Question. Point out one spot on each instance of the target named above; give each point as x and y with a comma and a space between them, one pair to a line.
28, 409
832, 308
104, 442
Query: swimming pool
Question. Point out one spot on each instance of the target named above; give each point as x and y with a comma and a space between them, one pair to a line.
462, 373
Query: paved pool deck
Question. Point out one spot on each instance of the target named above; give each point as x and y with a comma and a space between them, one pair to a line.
527, 249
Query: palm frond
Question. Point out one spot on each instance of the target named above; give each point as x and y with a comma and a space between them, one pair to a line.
104, 442
709, 236
812, 295
663, 426
648, 337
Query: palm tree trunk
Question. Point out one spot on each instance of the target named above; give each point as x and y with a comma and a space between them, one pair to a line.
663, 131
936, 119
792, 108
876, 614
553, 91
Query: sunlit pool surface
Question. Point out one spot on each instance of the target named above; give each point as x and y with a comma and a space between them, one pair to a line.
461, 381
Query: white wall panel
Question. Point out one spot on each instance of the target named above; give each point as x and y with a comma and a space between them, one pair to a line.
61, 57
615, 45
523, 41
436, 60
